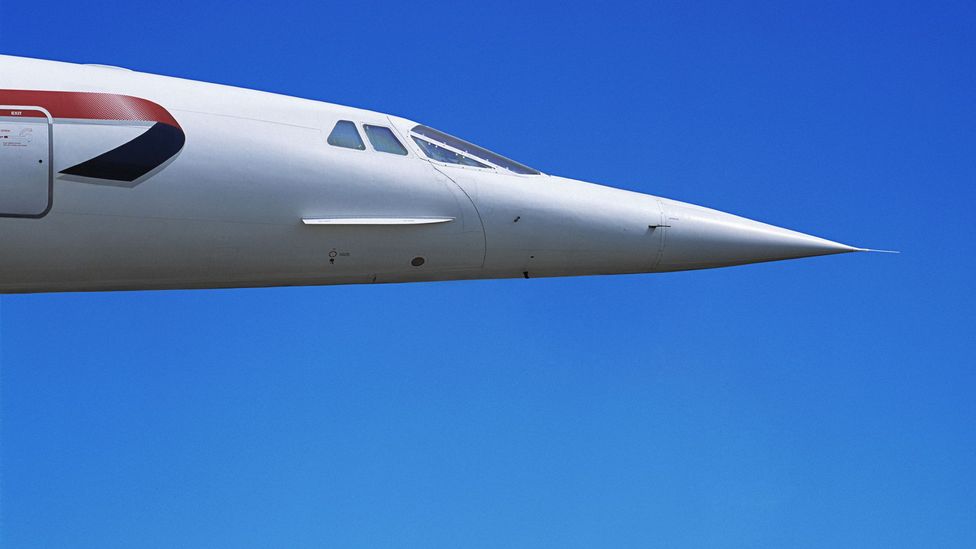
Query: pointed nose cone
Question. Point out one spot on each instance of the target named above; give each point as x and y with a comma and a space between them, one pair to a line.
701, 238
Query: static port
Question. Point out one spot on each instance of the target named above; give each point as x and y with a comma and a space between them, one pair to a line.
417, 261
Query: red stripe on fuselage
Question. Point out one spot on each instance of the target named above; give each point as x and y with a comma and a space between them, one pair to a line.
86, 105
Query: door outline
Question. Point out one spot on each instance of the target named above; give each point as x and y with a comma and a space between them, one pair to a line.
50, 160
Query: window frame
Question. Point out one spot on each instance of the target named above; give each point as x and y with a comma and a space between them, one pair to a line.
393, 132
355, 128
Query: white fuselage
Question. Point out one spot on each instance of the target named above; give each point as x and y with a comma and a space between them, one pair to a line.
233, 206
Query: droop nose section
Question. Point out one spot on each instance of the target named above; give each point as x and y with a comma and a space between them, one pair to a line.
702, 238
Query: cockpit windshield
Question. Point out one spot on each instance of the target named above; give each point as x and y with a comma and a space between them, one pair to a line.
443, 147
442, 154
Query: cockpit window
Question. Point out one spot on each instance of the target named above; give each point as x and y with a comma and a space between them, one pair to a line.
345, 134
383, 139
473, 150
448, 156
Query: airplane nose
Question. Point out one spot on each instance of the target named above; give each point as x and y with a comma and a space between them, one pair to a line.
701, 238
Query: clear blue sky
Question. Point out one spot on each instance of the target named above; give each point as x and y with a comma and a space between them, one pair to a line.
825, 402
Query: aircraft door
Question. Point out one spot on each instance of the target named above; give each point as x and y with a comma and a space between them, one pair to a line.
26, 172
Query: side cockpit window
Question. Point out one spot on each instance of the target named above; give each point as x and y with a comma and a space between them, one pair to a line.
383, 140
454, 145
345, 134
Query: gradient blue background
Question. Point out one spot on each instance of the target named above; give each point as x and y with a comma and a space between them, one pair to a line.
825, 402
